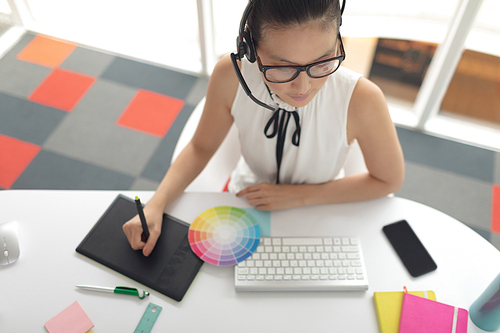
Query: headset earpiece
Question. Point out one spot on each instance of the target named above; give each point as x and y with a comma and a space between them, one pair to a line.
244, 42
249, 47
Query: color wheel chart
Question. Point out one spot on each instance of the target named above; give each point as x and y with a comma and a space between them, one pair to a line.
224, 235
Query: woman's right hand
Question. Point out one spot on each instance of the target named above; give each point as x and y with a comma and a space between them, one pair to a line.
133, 230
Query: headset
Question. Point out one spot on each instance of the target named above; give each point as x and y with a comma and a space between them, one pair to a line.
245, 47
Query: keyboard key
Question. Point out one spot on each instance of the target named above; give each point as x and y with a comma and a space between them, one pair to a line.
327, 241
302, 241
350, 249
243, 271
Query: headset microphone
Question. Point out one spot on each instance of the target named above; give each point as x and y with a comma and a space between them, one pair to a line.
245, 86
245, 47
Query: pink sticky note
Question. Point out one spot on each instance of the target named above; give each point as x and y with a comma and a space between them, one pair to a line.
70, 320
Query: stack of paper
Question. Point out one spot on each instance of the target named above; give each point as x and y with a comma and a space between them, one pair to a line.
417, 311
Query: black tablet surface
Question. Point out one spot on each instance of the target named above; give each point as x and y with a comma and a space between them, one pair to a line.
169, 269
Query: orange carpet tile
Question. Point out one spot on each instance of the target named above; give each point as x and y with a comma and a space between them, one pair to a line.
15, 156
151, 113
46, 51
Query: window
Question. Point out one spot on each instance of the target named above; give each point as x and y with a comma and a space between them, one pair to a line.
474, 92
410, 49
399, 39
159, 31
5, 16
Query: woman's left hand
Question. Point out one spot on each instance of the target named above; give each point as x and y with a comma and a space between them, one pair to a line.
265, 196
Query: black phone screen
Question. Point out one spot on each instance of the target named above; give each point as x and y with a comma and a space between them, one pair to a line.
409, 248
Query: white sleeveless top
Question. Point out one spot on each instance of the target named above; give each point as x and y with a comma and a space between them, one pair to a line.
323, 146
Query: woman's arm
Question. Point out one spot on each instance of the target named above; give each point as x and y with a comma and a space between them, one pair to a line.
213, 127
370, 124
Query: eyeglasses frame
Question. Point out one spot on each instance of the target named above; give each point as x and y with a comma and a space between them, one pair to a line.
305, 68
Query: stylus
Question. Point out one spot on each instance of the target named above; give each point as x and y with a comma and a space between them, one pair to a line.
140, 211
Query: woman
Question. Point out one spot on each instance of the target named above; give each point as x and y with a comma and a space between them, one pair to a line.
291, 156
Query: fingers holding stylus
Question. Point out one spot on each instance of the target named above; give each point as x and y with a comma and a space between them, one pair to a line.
134, 231
151, 242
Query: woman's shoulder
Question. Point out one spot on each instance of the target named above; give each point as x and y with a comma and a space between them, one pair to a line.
366, 92
223, 82
367, 107
224, 69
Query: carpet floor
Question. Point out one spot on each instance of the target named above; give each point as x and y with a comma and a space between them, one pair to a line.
76, 118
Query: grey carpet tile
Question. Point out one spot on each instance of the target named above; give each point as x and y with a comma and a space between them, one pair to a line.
495, 240
198, 91
26, 120
486, 234
447, 155
20, 45
142, 184
103, 144
496, 177
52, 171
145, 76
86, 61
466, 199
105, 101
20, 78
160, 161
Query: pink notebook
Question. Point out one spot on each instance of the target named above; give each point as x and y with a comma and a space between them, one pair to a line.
424, 315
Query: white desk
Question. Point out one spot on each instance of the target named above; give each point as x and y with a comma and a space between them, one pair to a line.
52, 224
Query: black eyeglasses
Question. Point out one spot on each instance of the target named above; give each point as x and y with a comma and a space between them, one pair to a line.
316, 70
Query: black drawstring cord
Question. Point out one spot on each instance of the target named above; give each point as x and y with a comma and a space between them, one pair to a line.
280, 125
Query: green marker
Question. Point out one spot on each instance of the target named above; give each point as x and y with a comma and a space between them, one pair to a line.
116, 290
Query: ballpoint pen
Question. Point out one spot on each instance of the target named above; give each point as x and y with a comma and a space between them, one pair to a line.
116, 290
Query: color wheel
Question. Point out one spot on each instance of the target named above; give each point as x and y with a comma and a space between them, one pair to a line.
224, 235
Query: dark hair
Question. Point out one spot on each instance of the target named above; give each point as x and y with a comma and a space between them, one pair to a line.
280, 14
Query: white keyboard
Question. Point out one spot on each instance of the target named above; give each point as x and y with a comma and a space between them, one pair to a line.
303, 263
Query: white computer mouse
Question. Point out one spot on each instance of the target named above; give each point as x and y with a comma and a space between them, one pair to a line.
9, 243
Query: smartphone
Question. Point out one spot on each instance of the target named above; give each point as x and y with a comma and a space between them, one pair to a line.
409, 248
